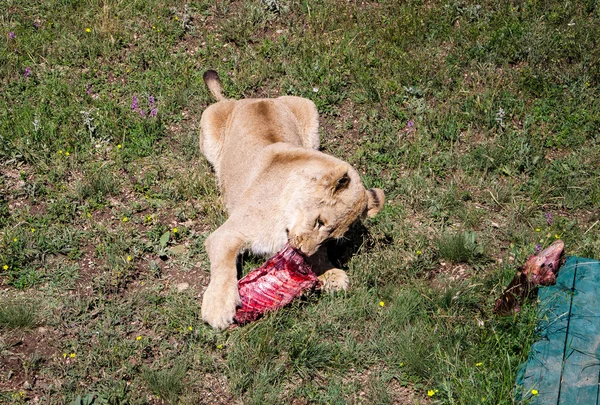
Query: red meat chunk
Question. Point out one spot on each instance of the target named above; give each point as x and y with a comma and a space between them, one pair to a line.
275, 284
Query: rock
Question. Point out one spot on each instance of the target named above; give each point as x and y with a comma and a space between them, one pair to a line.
178, 250
182, 287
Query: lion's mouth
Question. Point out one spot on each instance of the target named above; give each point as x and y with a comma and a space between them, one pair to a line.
303, 247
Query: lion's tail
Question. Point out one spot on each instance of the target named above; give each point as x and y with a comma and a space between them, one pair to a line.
211, 78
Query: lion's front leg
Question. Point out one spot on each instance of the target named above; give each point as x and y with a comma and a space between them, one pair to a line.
221, 296
332, 278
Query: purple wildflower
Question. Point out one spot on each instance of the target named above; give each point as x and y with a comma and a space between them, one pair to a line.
549, 218
410, 126
134, 103
27, 72
36, 24
142, 113
153, 112
12, 35
89, 89
151, 101
538, 248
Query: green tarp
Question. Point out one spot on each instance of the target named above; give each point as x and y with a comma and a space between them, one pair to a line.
563, 366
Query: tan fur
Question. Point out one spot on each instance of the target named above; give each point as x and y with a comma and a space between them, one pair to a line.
277, 187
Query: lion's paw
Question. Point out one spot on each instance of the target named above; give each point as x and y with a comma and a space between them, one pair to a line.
334, 280
219, 305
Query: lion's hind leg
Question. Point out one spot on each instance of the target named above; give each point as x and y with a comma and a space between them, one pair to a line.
332, 279
307, 116
212, 128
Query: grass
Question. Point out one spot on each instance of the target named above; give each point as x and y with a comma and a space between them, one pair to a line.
17, 315
479, 120
166, 384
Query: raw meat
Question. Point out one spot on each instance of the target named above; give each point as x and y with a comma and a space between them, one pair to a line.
275, 284
540, 269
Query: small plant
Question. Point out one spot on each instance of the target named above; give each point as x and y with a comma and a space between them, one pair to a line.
167, 384
98, 185
163, 242
17, 314
460, 247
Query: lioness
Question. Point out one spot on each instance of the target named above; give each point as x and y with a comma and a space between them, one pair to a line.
277, 188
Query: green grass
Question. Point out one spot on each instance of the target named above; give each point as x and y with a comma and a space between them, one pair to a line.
166, 384
479, 120
17, 314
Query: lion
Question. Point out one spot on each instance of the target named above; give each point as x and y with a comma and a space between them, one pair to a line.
277, 188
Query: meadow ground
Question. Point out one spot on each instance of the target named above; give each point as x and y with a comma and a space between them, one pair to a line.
479, 120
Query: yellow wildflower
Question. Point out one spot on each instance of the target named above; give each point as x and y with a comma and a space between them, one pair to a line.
119, 146
129, 258
5, 267
419, 253
125, 219
15, 240
64, 355
176, 18
88, 30
175, 230
430, 393
534, 392
556, 236
32, 230
219, 346
138, 338
381, 303
479, 364
538, 230
72, 355
67, 153
190, 328
60, 152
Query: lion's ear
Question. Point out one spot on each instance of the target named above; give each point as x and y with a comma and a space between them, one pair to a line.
375, 200
336, 179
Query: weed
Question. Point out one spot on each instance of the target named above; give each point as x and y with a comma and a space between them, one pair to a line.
17, 314
167, 384
98, 184
459, 247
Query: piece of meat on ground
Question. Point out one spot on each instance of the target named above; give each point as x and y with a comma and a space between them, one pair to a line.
538, 270
275, 284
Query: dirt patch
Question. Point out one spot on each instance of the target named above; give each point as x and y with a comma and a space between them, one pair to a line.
448, 273
340, 135
196, 280
399, 392
214, 391
89, 268
23, 353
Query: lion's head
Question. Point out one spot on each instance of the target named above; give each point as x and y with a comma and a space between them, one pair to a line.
329, 202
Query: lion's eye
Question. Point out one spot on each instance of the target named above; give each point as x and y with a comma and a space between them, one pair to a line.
319, 223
